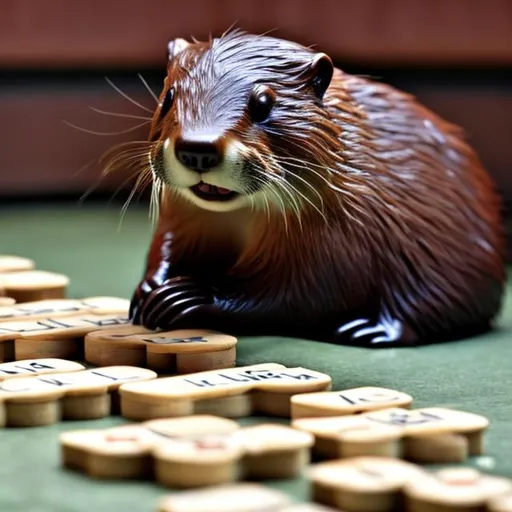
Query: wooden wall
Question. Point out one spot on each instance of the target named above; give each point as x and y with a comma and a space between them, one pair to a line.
454, 54
133, 33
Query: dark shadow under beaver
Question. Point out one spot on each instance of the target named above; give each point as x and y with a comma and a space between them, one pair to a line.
297, 200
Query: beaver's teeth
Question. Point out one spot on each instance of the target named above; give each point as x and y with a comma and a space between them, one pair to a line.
207, 189
212, 189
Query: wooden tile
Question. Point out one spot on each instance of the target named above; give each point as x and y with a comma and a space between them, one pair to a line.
189, 452
456, 489
360, 484
427, 435
11, 263
350, 436
79, 395
431, 421
59, 336
42, 309
349, 401
184, 351
500, 503
32, 285
44, 366
235, 392
246, 497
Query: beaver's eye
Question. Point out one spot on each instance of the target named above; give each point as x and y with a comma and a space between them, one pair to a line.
260, 103
167, 102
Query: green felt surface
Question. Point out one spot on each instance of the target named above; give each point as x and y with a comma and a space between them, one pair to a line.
86, 244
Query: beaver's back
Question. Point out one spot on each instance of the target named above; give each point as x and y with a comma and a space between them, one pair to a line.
430, 208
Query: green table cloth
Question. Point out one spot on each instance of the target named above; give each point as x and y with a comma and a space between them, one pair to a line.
103, 255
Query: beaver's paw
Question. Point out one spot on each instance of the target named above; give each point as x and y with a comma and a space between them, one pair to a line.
140, 294
386, 332
176, 303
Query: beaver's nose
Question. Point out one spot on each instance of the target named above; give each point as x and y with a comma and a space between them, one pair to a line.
198, 153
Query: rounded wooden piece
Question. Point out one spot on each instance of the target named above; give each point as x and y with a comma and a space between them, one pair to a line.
207, 361
435, 421
66, 348
458, 489
362, 483
172, 396
10, 263
76, 395
59, 328
501, 503
85, 407
184, 351
350, 401
269, 437
436, 448
42, 366
35, 414
430, 420
270, 377
32, 285
210, 454
41, 309
126, 451
236, 406
274, 451
213, 460
243, 497
351, 436
121, 452
188, 452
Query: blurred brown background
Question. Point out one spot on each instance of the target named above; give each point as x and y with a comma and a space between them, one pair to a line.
454, 55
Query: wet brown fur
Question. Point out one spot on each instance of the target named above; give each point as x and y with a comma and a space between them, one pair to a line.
411, 222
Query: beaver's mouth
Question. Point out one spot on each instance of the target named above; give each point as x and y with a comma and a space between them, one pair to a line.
212, 193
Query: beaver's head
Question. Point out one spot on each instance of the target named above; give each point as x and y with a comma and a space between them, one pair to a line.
242, 122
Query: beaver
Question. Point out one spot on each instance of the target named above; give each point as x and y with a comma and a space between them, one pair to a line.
298, 200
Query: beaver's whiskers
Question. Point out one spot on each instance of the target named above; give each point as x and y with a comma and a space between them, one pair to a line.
345, 196
125, 96
148, 88
119, 114
274, 171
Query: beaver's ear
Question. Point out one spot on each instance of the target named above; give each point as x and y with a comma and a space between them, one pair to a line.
175, 47
322, 70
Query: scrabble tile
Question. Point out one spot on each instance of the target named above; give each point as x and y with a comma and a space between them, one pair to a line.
179, 351
349, 401
436, 448
266, 451
431, 421
350, 436
42, 309
359, 484
80, 395
243, 497
428, 435
234, 392
32, 285
456, 489
59, 336
43, 366
10, 263
189, 452
500, 503
127, 451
